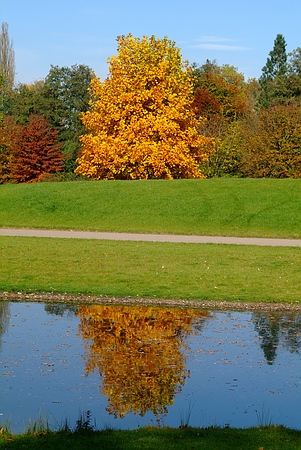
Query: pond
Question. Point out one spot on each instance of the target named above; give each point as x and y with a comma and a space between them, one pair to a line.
137, 366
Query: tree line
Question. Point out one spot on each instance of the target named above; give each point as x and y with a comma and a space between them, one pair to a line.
154, 116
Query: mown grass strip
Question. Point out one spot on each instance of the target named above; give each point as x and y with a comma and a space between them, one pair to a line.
151, 270
225, 206
276, 438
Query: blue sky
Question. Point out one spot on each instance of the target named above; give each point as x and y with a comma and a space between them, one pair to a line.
66, 32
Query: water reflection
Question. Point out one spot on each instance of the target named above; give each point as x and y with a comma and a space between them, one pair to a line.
275, 329
61, 309
138, 352
137, 363
4, 318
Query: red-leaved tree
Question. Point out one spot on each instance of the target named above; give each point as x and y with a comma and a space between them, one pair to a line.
36, 151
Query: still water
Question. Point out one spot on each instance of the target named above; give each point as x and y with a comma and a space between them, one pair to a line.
135, 366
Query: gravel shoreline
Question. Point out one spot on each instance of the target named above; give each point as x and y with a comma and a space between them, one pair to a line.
176, 303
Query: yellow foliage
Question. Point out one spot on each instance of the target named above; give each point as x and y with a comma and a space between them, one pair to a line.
137, 351
140, 123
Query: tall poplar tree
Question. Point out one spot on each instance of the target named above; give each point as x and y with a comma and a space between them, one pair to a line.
7, 57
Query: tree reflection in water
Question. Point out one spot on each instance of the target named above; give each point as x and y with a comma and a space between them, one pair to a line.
275, 329
138, 352
4, 317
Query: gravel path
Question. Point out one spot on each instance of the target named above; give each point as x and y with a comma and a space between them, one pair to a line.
149, 237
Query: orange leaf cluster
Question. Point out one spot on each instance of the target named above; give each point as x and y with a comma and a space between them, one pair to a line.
141, 123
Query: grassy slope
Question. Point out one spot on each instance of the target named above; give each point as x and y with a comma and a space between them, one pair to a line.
214, 272
233, 207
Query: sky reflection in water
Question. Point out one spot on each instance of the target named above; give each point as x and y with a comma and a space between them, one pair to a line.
219, 368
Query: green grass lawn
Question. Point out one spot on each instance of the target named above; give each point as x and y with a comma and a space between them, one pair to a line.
269, 438
225, 206
242, 207
151, 270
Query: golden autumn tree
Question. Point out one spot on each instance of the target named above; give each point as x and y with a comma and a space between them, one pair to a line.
141, 123
138, 352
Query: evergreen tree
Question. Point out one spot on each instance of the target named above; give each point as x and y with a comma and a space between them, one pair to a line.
276, 64
273, 81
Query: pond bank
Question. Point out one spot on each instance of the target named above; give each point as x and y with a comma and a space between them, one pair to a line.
179, 303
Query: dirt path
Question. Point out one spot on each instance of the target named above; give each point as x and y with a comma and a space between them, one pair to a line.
70, 234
